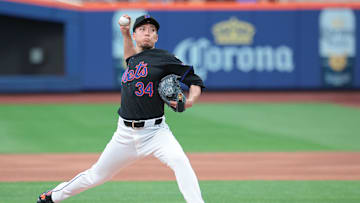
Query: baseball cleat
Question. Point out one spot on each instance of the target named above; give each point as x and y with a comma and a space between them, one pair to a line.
45, 197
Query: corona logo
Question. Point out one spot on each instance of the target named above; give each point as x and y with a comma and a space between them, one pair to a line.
337, 63
233, 31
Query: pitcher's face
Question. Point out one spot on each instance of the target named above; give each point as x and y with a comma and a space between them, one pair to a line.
145, 36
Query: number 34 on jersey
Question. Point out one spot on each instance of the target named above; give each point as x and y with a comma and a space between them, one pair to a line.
140, 71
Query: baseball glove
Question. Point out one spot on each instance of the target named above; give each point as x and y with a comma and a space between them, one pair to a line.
170, 90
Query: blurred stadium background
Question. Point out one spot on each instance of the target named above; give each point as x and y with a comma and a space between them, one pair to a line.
282, 76
74, 46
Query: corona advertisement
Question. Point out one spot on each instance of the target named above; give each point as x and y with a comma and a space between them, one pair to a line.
238, 49
337, 47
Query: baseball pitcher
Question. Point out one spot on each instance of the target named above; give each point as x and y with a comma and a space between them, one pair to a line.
150, 81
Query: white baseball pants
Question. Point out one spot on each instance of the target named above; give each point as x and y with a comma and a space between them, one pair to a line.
128, 145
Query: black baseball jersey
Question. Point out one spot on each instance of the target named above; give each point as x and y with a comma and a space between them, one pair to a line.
140, 99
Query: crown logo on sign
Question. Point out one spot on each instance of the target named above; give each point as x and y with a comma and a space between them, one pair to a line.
233, 31
338, 63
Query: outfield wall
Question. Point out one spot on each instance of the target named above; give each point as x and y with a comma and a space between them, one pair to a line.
232, 46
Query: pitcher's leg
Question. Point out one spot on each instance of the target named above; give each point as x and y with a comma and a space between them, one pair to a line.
115, 156
171, 153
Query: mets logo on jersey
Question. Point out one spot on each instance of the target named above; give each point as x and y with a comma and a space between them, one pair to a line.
141, 70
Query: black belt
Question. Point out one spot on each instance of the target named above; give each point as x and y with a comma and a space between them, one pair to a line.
140, 124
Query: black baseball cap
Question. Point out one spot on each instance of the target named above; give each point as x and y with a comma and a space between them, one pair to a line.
144, 20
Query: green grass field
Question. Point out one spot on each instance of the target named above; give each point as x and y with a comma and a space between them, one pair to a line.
204, 128
213, 192
66, 128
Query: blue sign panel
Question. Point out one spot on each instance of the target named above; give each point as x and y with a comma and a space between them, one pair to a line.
232, 50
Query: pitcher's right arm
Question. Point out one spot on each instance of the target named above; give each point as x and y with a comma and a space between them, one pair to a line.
129, 48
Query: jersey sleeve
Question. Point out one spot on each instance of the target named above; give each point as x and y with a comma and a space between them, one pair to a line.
173, 65
186, 73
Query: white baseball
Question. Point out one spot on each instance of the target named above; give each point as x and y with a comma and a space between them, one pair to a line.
124, 21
